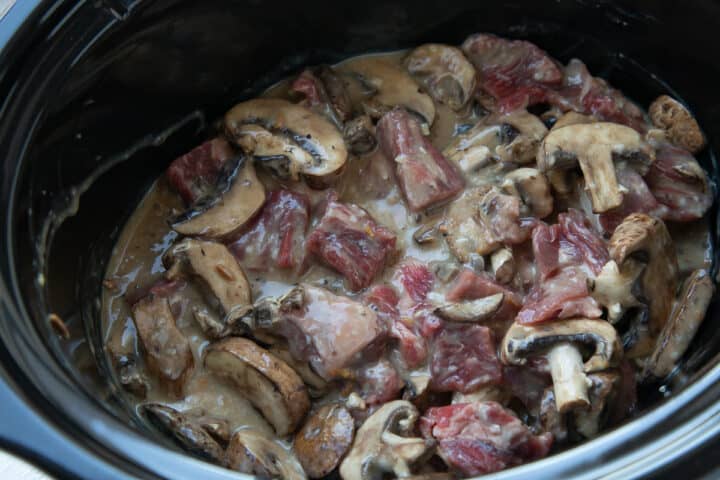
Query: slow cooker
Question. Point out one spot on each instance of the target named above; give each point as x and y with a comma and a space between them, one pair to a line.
98, 96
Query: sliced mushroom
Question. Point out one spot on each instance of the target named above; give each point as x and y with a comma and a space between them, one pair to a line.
316, 384
645, 239
266, 315
489, 393
239, 195
359, 134
573, 118
613, 288
681, 127
167, 351
471, 310
502, 264
603, 385
383, 444
255, 454
393, 87
444, 72
683, 324
120, 345
426, 234
266, 381
513, 137
271, 128
189, 434
218, 271
595, 147
324, 440
560, 342
533, 188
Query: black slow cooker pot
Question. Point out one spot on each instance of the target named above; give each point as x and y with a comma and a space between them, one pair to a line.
96, 98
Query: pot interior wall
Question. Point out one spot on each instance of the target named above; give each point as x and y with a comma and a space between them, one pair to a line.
117, 73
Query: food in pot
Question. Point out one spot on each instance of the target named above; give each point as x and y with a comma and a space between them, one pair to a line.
434, 263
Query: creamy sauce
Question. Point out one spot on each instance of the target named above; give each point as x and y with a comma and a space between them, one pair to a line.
136, 259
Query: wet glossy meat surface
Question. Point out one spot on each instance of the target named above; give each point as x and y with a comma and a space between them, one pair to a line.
406, 260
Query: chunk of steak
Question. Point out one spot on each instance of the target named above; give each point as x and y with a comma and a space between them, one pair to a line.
482, 437
349, 240
324, 93
426, 178
194, 174
515, 73
469, 285
563, 295
331, 330
463, 359
483, 220
679, 183
276, 237
379, 382
637, 198
570, 242
527, 383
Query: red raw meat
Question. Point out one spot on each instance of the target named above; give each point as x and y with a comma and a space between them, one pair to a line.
679, 183
379, 382
310, 86
276, 236
514, 72
482, 437
350, 241
192, 174
638, 198
469, 285
426, 178
564, 295
464, 358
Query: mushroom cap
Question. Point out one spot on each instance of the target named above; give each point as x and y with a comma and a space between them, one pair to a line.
276, 127
444, 71
383, 444
681, 127
266, 381
240, 196
522, 342
647, 239
533, 188
251, 452
324, 439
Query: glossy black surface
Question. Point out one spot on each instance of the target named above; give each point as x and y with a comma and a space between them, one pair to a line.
82, 82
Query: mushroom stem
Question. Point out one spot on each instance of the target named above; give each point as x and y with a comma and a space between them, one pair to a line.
569, 381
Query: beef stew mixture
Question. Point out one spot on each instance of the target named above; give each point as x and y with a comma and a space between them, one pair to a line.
436, 263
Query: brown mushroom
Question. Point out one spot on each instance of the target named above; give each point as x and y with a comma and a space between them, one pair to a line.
253, 453
472, 310
266, 381
296, 140
167, 351
532, 188
189, 434
680, 126
615, 289
324, 440
595, 147
218, 272
444, 72
642, 238
315, 383
683, 324
559, 342
502, 264
383, 444
359, 134
120, 345
603, 386
238, 196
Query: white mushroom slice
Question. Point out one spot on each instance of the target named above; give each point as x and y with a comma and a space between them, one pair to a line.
239, 196
275, 128
533, 188
317, 385
489, 393
594, 147
216, 268
266, 381
573, 118
393, 87
641, 237
502, 264
253, 453
445, 72
324, 440
558, 342
683, 324
613, 288
189, 434
471, 310
681, 127
383, 445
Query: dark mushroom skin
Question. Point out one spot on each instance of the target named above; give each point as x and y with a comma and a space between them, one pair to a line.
254, 453
324, 440
681, 127
189, 434
444, 72
683, 324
